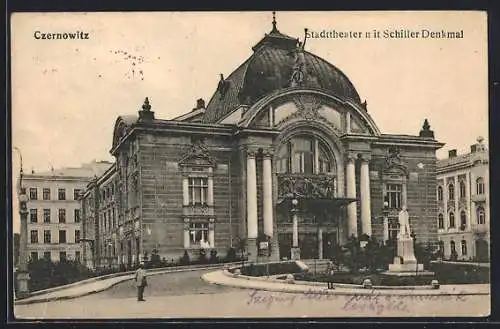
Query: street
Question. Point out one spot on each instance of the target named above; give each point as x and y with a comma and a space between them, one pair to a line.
185, 295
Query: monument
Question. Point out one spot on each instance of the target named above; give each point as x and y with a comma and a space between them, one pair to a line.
405, 260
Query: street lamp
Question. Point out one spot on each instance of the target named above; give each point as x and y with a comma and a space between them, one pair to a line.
22, 275
295, 252
385, 213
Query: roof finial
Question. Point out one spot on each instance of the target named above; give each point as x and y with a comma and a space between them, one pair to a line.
275, 29
146, 106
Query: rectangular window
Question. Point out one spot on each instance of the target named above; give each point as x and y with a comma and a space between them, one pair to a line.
33, 193
34, 256
61, 194
46, 193
198, 190
76, 194
77, 256
46, 215
62, 215
77, 236
46, 255
77, 215
198, 232
33, 215
34, 236
62, 256
47, 237
394, 195
62, 236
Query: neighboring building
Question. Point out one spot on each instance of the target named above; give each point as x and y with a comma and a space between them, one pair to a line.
100, 225
284, 125
464, 204
54, 216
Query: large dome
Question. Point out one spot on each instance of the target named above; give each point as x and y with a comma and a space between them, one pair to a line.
270, 68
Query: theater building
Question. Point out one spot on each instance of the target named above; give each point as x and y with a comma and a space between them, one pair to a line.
285, 152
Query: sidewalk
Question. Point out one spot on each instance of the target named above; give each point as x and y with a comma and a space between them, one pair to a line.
95, 285
222, 278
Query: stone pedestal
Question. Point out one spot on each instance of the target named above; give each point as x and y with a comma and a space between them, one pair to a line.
22, 284
405, 260
252, 250
295, 253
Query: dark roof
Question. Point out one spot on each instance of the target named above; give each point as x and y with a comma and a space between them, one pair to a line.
269, 68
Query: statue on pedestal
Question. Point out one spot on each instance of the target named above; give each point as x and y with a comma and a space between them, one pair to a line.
404, 224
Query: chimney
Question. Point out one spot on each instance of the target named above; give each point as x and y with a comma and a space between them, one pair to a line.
452, 153
473, 148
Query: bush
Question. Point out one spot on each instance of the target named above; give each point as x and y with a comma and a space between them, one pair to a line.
46, 274
213, 256
185, 259
271, 269
231, 255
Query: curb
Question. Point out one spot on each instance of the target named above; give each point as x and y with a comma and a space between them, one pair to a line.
356, 291
124, 278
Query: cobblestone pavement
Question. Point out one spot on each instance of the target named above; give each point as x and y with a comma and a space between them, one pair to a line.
185, 295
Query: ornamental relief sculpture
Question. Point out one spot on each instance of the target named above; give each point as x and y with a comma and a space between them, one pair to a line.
306, 187
309, 109
197, 153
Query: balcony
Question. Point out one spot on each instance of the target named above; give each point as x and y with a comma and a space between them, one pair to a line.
307, 186
478, 198
198, 210
480, 229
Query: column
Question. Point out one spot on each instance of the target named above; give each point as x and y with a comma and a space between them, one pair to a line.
185, 191
316, 156
187, 243
467, 197
352, 226
320, 243
267, 182
210, 192
295, 228
251, 196
211, 233
473, 213
366, 220
348, 122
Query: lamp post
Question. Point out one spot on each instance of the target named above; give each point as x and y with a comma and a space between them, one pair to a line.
22, 275
295, 254
385, 213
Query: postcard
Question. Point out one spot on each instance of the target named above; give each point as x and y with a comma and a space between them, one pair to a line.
250, 165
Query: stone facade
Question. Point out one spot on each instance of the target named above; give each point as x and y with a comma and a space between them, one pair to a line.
463, 215
262, 158
54, 219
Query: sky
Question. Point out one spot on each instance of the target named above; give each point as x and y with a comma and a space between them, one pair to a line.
67, 94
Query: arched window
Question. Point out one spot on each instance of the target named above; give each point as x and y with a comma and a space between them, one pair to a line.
452, 219
440, 193
440, 221
464, 248
299, 154
480, 186
462, 189
463, 220
324, 164
452, 247
451, 192
481, 217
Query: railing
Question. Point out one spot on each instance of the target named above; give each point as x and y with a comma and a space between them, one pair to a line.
306, 185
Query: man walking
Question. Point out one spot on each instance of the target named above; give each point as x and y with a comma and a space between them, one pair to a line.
141, 282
